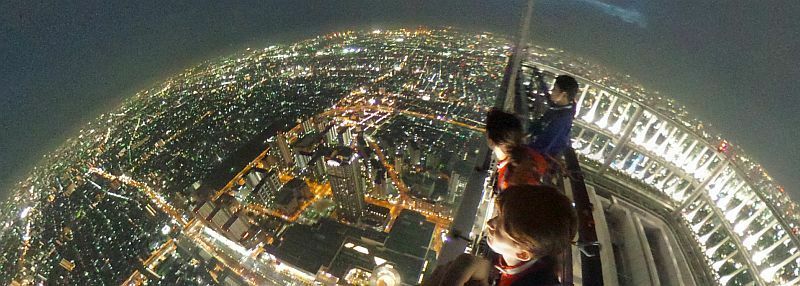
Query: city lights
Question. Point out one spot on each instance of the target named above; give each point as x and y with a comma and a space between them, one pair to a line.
346, 156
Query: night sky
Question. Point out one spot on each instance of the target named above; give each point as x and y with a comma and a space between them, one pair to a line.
734, 64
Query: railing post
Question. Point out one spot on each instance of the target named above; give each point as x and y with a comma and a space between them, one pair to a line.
700, 188
622, 139
591, 266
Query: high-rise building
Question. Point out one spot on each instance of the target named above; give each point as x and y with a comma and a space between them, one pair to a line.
347, 184
222, 217
317, 163
304, 149
301, 160
251, 182
283, 148
308, 126
266, 189
255, 176
453, 188
332, 136
347, 136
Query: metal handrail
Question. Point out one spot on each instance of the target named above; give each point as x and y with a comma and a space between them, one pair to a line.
567, 170
511, 99
591, 264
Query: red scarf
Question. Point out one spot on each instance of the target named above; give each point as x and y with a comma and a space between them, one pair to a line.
510, 274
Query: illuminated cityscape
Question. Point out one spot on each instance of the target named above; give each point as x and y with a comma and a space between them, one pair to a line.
343, 159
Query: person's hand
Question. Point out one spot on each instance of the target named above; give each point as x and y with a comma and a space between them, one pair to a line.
464, 270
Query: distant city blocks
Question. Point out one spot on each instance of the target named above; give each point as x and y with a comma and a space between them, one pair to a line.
343, 159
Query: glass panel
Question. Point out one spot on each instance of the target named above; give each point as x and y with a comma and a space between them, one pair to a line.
621, 115
590, 105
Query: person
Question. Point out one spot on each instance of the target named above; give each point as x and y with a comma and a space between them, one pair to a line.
533, 225
550, 134
517, 164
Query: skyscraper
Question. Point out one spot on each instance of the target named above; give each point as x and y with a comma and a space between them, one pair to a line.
347, 136
346, 183
283, 148
332, 136
308, 126
252, 181
304, 149
267, 188
453, 188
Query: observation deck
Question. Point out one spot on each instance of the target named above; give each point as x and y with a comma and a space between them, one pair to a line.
699, 209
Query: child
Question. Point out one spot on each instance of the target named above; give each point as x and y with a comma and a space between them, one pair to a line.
517, 163
533, 225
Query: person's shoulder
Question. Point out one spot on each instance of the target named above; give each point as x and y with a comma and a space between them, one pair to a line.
567, 112
533, 153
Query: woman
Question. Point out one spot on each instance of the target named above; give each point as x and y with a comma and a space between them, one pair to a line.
517, 163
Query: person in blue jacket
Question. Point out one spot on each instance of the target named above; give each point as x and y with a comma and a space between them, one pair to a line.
550, 134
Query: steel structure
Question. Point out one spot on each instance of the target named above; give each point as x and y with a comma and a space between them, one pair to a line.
743, 222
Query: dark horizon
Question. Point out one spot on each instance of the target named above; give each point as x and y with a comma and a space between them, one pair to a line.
731, 65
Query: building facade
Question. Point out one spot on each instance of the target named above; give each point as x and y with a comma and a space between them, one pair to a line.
347, 183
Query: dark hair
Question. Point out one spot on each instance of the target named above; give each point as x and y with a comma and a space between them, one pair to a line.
538, 218
568, 84
503, 128
521, 167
